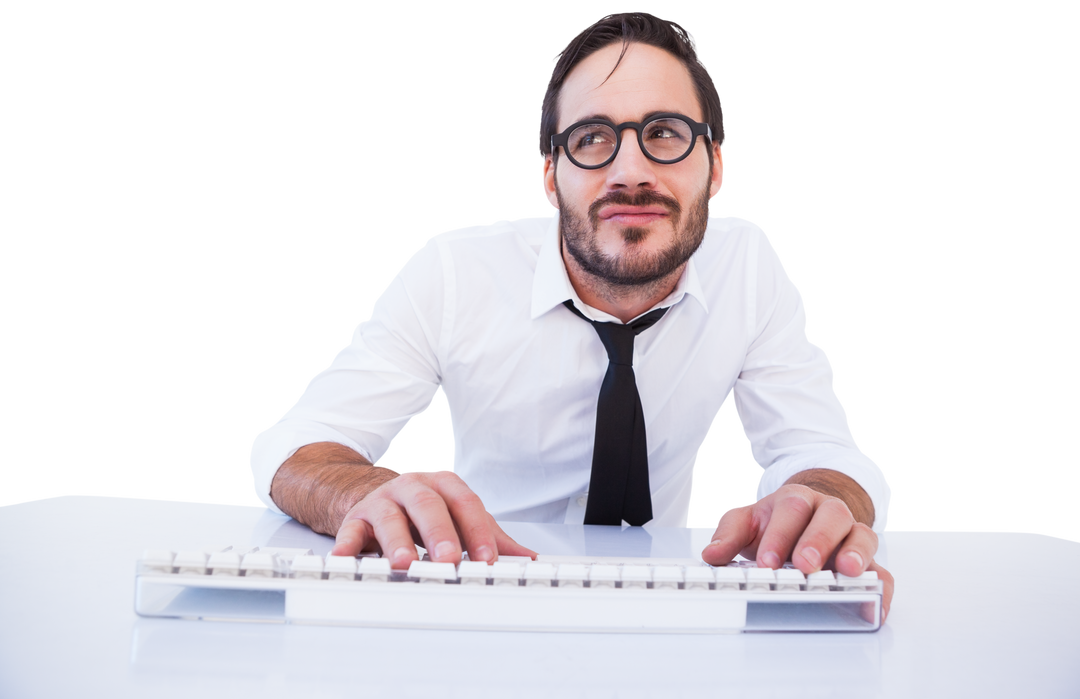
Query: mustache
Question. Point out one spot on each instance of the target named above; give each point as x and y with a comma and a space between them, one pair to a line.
644, 197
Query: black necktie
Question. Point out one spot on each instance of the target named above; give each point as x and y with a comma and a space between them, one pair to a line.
619, 484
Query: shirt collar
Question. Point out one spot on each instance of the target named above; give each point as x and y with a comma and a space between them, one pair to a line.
551, 283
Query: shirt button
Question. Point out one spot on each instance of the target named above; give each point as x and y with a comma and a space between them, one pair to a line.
581, 501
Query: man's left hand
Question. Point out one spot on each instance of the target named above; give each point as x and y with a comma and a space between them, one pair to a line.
798, 523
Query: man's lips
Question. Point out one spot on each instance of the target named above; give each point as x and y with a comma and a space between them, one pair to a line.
635, 215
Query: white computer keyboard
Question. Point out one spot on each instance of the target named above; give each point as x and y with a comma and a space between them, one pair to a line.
552, 593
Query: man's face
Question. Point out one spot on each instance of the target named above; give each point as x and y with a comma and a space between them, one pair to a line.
634, 220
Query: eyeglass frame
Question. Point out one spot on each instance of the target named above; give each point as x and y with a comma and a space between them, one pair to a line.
696, 129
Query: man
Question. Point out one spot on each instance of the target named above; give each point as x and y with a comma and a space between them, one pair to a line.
630, 294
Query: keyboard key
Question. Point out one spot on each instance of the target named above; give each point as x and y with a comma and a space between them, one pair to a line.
729, 579
341, 568
820, 581
507, 572
789, 580
190, 563
431, 572
374, 569
572, 574
156, 562
539, 574
474, 572
224, 563
515, 559
285, 555
667, 577
867, 581
602, 575
307, 567
636, 577
760, 579
261, 564
698, 578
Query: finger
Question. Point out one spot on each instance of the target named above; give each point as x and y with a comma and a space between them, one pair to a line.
888, 586
735, 533
857, 551
826, 532
429, 514
472, 521
506, 545
391, 528
792, 513
352, 537
866, 609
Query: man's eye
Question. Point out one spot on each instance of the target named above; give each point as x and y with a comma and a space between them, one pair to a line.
661, 132
593, 138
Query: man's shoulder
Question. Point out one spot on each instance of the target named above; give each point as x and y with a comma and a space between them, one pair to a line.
726, 238
471, 251
529, 231
474, 252
733, 226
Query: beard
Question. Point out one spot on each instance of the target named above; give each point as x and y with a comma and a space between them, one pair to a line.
633, 268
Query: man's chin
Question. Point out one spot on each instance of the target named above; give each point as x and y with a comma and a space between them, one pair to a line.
633, 252
619, 237
635, 235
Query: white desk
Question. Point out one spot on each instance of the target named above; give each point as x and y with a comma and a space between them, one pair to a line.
67, 627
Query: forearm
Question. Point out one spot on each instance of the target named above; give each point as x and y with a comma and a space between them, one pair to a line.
320, 483
838, 485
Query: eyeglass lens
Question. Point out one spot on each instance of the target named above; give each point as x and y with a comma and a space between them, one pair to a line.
664, 139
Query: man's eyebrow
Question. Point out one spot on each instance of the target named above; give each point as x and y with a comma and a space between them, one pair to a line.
645, 117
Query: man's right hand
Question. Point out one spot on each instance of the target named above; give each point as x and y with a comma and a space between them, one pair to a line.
436, 508
335, 490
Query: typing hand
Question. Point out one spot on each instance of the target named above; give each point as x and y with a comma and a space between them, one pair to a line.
807, 527
435, 510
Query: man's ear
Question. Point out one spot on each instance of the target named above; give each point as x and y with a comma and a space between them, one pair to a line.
717, 177
549, 179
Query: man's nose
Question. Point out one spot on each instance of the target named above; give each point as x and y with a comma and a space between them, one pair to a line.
631, 168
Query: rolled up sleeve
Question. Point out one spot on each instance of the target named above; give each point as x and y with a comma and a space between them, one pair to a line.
785, 399
387, 374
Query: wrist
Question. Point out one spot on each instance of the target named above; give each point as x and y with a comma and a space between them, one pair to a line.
840, 486
366, 479
321, 482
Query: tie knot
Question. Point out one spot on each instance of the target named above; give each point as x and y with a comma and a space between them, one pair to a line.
619, 339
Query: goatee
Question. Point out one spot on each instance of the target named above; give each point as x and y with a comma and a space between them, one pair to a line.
633, 268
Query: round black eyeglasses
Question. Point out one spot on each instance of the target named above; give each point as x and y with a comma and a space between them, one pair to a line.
664, 138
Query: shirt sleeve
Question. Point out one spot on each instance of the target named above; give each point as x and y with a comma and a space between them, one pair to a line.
388, 373
785, 398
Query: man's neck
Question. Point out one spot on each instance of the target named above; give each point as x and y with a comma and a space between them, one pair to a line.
623, 302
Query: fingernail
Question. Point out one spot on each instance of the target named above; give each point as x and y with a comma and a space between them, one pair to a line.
715, 542
444, 549
483, 554
401, 555
812, 556
857, 558
770, 560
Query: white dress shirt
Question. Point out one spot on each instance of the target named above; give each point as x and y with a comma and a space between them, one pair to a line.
479, 311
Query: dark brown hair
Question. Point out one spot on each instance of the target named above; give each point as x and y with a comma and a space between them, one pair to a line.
628, 28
